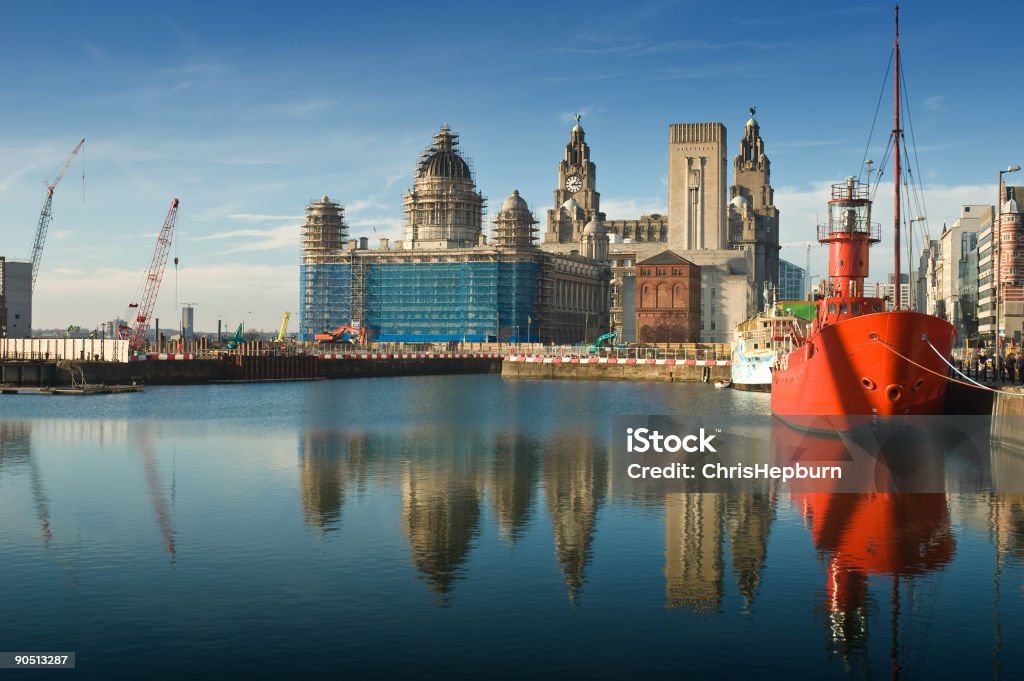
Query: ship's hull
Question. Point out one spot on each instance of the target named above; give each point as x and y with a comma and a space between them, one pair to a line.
751, 371
869, 365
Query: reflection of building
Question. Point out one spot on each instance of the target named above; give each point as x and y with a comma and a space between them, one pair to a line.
748, 522
328, 462
441, 491
693, 550
444, 282
15, 443
575, 471
513, 477
15, 299
668, 300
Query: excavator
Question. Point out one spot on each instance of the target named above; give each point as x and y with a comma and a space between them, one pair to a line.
343, 334
236, 340
611, 337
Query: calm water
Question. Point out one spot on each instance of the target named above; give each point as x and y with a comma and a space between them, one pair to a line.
465, 526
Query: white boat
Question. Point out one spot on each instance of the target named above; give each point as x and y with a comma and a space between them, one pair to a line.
723, 384
758, 341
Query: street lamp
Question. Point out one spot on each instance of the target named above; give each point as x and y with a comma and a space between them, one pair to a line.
997, 267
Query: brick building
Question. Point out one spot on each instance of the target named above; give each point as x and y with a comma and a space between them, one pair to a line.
668, 299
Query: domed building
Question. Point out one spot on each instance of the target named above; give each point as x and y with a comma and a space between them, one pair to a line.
514, 225
444, 283
594, 241
443, 209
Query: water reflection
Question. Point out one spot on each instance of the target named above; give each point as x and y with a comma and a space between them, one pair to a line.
442, 486
513, 478
902, 536
16, 455
575, 480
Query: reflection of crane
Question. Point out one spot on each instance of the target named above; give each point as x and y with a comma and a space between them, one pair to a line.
45, 216
284, 326
136, 334
157, 495
807, 270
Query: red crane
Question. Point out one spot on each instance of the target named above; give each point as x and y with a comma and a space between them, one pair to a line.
45, 216
136, 334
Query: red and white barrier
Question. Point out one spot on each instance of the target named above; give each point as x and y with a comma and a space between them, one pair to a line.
544, 359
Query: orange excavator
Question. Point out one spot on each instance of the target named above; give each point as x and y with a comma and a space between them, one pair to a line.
343, 334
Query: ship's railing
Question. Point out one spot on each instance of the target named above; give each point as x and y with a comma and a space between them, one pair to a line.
872, 230
851, 190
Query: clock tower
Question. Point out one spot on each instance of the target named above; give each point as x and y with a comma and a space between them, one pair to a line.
576, 199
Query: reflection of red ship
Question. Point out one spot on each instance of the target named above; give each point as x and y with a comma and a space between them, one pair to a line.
857, 358
864, 534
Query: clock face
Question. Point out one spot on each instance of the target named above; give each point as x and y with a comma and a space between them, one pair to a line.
573, 183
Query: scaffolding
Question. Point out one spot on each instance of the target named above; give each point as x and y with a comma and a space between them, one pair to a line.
460, 300
326, 298
325, 274
444, 209
358, 288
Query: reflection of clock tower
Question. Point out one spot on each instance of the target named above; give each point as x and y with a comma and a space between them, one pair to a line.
576, 200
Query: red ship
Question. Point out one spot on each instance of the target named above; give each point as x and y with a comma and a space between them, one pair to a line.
857, 359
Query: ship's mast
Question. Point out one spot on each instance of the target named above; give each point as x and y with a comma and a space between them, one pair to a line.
896, 134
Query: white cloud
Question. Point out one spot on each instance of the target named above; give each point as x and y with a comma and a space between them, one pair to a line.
631, 208
935, 103
260, 217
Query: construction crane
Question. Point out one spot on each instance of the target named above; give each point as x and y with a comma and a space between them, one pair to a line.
284, 327
807, 270
136, 334
45, 216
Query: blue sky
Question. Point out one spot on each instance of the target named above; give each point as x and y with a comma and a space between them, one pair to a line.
247, 111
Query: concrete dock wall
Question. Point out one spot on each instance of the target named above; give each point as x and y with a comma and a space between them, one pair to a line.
1008, 418
610, 369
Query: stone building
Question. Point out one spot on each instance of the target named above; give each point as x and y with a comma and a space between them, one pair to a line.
753, 217
668, 300
1011, 269
445, 283
696, 220
577, 201
15, 299
696, 186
